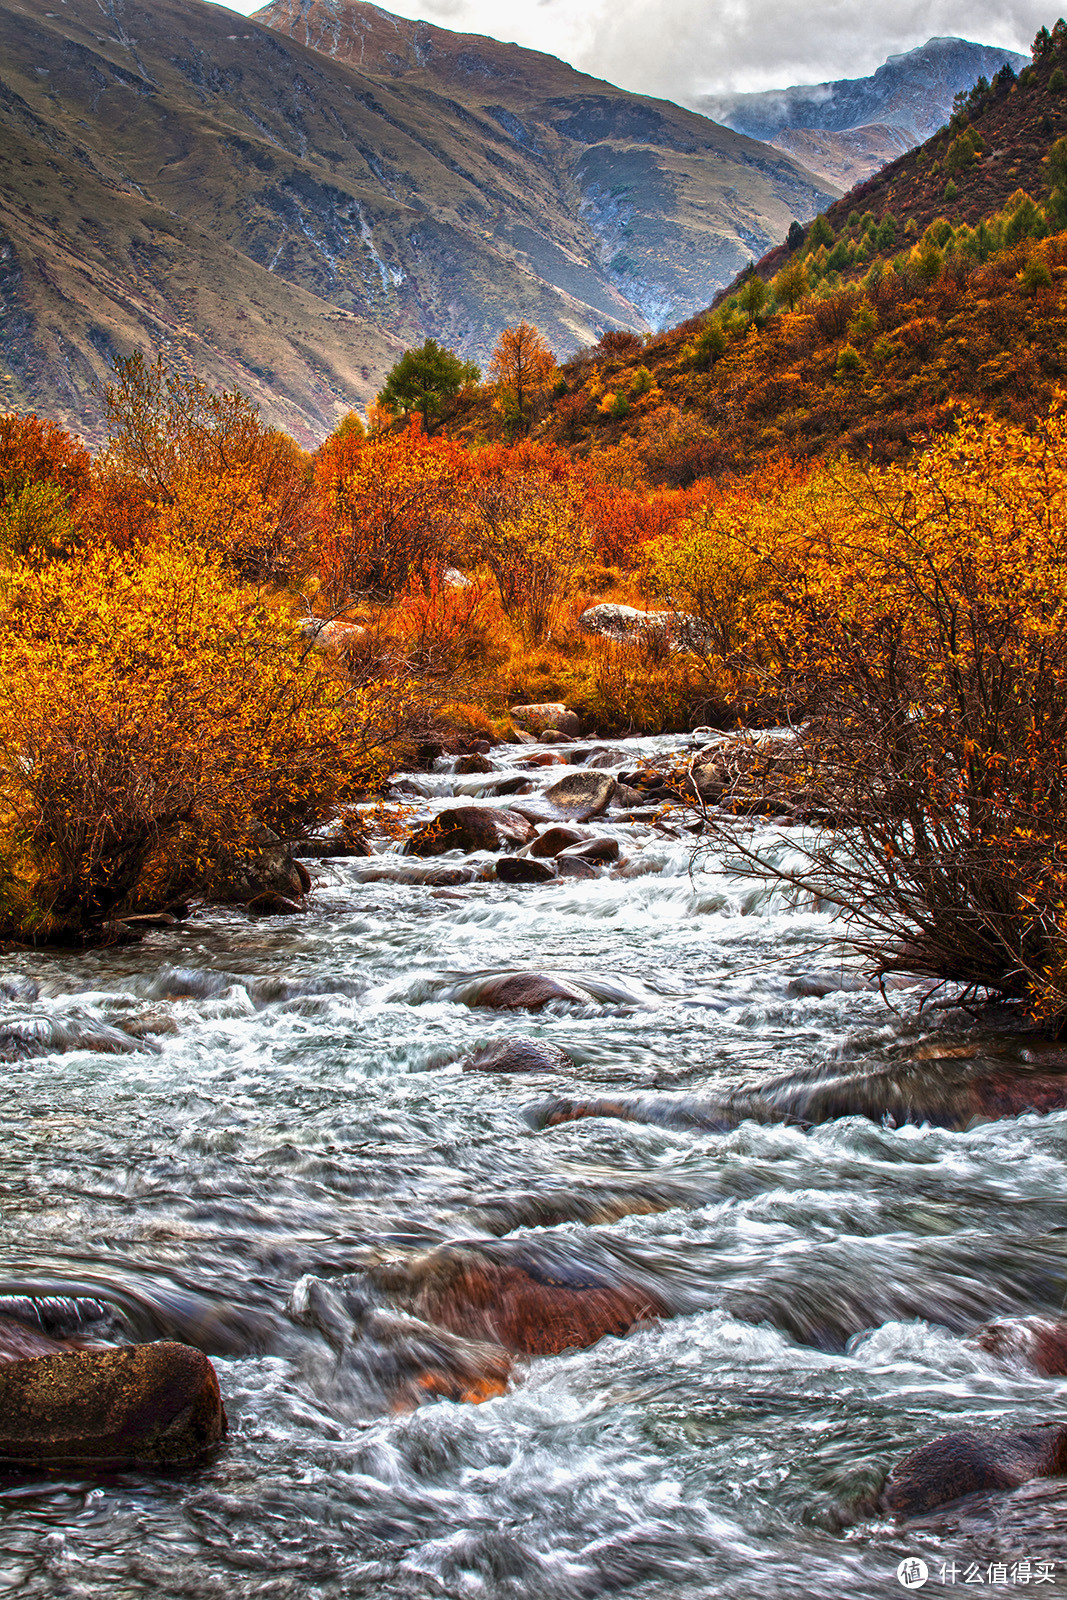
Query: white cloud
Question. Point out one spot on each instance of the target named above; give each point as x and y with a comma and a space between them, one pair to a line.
678, 48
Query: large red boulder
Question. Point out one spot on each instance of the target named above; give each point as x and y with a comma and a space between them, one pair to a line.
470, 828
966, 1463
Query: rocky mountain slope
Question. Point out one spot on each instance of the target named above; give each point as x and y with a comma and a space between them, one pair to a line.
846, 130
179, 178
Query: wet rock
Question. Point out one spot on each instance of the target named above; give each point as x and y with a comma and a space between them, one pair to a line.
470, 828
333, 845
513, 785
555, 839
521, 991
24, 1038
270, 904
551, 736
519, 1054
548, 715
543, 758
271, 870
15, 987
397, 1362
710, 782
142, 1405
18, 1340
531, 1297
524, 869
451, 877
603, 851
623, 798
522, 737
1039, 1343
150, 919
817, 985
574, 867
595, 1206
587, 792
468, 765
663, 1111
968, 1462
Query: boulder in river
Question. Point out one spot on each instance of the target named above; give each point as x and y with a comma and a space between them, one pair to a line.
520, 991
140, 1405
548, 715
470, 828
391, 1361
603, 851
519, 1054
575, 867
525, 869
1039, 1343
587, 792
272, 904
556, 839
967, 1462
533, 1297
467, 765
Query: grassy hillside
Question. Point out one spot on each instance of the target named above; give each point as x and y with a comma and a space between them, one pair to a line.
176, 178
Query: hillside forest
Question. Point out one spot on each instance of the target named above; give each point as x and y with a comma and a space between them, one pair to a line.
849, 477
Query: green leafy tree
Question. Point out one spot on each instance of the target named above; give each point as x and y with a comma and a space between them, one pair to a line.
423, 379
753, 296
791, 284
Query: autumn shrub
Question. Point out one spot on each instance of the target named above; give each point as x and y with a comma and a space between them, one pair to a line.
45, 474
916, 621
387, 511
210, 470
154, 719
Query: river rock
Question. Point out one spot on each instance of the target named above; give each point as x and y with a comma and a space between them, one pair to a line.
542, 758
1039, 1343
330, 846
533, 1298
575, 867
587, 792
468, 765
394, 1361
521, 991
271, 870
142, 1405
470, 828
519, 1054
548, 715
516, 784
603, 851
555, 839
18, 1341
552, 736
967, 1462
524, 869
270, 904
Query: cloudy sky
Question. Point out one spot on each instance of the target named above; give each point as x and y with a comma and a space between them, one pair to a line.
678, 48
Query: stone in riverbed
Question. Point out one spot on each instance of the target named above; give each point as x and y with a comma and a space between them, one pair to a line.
142, 1405
587, 792
524, 869
520, 991
519, 1054
270, 904
18, 1341
556, 839
470, 828
533, 1297
1039, 1343
975, 1460
575, 867
603, 851
467, 765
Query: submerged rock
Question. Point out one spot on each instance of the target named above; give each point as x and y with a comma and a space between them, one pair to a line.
470, 828
555, 839
521, 991
531, 1297
1036, 1342
18, 1341
142, 1405
978, 1459
519, 1054
390, 1361
575, 867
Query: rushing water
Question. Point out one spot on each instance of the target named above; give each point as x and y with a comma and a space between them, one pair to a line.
299, 1103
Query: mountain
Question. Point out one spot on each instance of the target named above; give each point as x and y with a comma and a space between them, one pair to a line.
846, 130
276, 218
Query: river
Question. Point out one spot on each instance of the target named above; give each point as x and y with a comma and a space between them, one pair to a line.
285, 1097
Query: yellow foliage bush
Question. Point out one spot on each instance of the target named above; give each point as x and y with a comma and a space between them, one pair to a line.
153, 716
